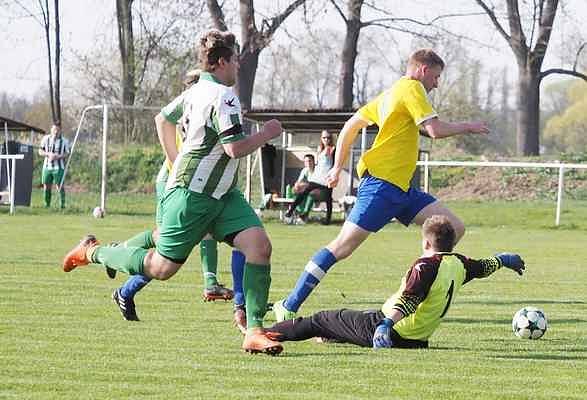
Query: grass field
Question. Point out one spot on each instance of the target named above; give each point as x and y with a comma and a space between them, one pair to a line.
61, 337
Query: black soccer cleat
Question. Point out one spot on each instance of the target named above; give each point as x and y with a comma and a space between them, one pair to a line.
126, 306
110, 272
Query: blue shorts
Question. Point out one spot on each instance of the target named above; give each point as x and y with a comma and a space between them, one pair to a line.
379, 201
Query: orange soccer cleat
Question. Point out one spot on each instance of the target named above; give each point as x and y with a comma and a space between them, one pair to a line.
77, 256
258, 342
240, 318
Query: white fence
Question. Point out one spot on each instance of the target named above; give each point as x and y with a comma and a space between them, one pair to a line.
560, 166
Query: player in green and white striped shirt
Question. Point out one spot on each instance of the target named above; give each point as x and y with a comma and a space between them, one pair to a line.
201, 194
55, 149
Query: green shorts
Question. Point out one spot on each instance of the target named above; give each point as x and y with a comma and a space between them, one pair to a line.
51, 176
186, 217
159, 192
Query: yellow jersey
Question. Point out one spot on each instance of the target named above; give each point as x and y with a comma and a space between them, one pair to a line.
397, 112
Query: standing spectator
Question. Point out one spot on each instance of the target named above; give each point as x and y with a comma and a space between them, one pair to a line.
325, 161
55, 149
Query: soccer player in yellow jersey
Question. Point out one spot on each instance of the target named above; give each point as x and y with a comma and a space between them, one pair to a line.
414, 312
385, 170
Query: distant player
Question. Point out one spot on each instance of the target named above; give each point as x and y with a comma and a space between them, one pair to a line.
201, 195
412, 314
385, 169
55, 149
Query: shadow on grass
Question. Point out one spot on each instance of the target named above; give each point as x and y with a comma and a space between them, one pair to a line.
525, 301
538, 356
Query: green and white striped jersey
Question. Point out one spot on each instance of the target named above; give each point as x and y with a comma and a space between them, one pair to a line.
58, 145
211, 117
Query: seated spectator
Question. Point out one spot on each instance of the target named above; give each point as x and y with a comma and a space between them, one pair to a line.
317, 180
304, 208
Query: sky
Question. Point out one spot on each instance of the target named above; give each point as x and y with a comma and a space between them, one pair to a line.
23, 66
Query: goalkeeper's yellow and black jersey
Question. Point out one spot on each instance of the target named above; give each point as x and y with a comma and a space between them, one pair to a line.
429, 287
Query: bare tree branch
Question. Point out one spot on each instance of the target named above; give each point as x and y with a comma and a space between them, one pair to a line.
217, 15
577, 56
491, 14
278, 19
576, 74
340, 12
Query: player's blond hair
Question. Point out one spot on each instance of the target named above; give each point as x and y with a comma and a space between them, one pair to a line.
425, 57
438, 230
213, 46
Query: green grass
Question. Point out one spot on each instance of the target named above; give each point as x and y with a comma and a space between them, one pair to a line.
61, 337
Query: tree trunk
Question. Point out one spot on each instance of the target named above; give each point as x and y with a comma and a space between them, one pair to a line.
57, 64
249, 61
47, 26
349, 54
127, 58
528, 109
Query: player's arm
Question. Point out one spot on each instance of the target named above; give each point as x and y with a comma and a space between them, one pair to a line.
42, 151
477, 269
166, 122
419, 280
248, 144
437, 129
166, 134
346, 137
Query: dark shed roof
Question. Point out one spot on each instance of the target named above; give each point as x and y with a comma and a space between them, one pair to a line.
305, 121
16, 126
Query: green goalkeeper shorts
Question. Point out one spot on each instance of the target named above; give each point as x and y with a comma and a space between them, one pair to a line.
186, 217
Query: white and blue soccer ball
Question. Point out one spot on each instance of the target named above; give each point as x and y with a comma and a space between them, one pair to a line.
98, 212
529, 323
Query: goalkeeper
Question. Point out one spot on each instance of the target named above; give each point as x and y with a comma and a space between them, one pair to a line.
412, 314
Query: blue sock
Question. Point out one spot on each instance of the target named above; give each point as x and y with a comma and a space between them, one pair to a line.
310, 278
238, 269
132, 285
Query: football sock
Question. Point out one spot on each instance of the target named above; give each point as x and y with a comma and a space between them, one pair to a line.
62, 197
133, 285
209, 259
238, 268
143, 240
47, 195
123, 259
310, 278
256, 282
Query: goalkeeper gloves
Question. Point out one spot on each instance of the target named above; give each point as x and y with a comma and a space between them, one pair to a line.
382, 335
512, 261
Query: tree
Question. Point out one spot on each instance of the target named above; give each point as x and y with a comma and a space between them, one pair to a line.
253, 40
53, 60
529, 54
127, 49
565, 131
353, 26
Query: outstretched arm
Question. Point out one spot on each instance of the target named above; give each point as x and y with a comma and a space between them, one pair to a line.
437, 129
247, 145
484, 267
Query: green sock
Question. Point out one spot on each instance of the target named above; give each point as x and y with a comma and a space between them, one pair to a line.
124, 259
47, 193
62, 197
143, 240
256, 282
209, 258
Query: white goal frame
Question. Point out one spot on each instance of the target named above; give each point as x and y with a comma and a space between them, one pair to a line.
104, 155
426, 163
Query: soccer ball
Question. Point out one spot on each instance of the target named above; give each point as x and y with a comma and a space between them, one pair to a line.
98, 212
529, 323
